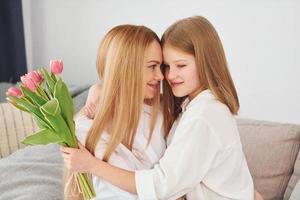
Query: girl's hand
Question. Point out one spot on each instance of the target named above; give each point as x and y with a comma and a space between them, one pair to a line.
89, 110
78, 160
92, 100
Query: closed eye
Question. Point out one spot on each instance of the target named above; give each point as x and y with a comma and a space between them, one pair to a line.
152, 66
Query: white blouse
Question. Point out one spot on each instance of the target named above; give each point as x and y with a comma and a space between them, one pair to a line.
141, 157
204, 157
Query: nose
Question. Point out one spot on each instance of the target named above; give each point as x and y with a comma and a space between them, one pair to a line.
158, 74
171, 73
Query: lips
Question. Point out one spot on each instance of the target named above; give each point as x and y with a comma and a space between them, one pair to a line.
174, 84
153, 86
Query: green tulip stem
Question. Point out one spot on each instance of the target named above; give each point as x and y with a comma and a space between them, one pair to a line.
28, 100
87, 189
42, 93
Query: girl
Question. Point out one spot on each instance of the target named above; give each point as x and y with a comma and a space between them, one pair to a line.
127, 130
204, 157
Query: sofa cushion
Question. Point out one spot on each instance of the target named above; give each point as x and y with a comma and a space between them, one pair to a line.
15, 125
79, 100
271, 150
34, 172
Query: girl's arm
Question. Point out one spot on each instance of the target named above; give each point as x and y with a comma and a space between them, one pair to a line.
121, 178
114, 174
92, 101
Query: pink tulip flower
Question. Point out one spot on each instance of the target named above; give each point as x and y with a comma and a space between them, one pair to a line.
15, 92
56, 66
28, 82
36, 77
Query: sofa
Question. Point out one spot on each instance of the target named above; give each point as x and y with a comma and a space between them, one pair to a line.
36, 172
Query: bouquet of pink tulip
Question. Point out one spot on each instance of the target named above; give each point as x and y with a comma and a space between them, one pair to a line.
47, 98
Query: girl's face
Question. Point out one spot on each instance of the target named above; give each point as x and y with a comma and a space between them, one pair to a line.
153, 75
181, 72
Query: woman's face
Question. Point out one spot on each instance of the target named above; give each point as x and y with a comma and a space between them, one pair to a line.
153, 75
181, 72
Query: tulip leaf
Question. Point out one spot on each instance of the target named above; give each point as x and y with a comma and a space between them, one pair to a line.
12, 100
53, 77
51, 107
36, 99
28, 106
64, 97
36, 113
42, 124
43, 137
46, 89
51, 112
49, 81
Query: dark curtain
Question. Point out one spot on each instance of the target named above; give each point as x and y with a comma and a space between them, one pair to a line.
12, 45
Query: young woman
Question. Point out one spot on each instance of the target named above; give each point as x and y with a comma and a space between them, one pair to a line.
127, 131
204, 157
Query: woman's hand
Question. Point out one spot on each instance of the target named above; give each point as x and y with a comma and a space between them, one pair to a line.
78, 160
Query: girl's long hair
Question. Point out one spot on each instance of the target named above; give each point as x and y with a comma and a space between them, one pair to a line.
197, 36
121, 66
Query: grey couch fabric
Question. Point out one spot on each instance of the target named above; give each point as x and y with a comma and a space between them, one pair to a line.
79, 100
3, 89
32, 173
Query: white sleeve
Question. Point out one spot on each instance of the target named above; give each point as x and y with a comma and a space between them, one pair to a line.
184, 164
82, 126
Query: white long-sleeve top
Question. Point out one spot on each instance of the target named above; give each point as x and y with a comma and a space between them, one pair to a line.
204, 157
137, 159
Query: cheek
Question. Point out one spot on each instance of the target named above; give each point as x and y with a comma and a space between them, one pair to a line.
149, 75
193, 72
194, 80
191, 76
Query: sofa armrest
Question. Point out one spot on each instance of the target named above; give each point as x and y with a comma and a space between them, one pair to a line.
15, 125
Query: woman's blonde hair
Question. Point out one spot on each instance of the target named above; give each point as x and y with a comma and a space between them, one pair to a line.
120, 66
197, 36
